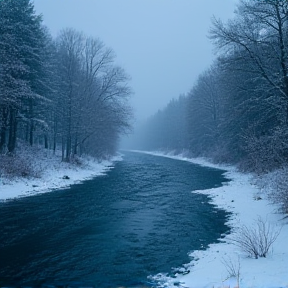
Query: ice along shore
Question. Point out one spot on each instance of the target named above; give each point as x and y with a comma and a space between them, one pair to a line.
245, 200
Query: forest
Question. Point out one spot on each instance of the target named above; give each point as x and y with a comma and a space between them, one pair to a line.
63, 94
237, 111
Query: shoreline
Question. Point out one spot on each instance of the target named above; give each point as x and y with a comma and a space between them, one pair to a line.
55, 178
240, 197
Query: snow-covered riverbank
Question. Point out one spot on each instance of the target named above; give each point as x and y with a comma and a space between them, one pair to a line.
55, 175
240, 196
245, 201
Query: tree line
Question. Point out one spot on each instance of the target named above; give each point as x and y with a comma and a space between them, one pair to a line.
237, 111
65, 93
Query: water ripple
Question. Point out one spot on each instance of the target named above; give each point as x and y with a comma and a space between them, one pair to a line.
115, 230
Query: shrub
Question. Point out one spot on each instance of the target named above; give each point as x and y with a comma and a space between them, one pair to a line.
256, 241
275, 184
22, 163
233, 269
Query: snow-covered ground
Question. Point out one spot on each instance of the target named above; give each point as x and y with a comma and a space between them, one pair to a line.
247, 203
53, 176
240, 196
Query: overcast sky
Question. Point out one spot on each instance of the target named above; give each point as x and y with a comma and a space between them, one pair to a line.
162, 44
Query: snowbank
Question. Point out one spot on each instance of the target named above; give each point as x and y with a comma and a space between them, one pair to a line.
241, 197
207, 269
54, 177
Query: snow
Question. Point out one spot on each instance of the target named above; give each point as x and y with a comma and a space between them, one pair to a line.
208, 269
52, 177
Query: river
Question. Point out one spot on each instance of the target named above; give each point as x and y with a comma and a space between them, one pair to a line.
139, 219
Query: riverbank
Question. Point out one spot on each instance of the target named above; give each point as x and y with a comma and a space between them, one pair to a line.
110, 231
247, 203
55, 174
241, 196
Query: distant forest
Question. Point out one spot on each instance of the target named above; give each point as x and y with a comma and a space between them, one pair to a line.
64, 93
237, 112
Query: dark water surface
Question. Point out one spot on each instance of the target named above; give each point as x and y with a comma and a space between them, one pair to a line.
115, 230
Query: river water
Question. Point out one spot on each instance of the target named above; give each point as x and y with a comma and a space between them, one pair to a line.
139, 219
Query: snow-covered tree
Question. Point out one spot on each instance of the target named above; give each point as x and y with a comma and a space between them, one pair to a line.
254, 47
238, 109
258, 35
21, 43
94, 94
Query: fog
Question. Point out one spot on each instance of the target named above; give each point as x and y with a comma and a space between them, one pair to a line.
162, 44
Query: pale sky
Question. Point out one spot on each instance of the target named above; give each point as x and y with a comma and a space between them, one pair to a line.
161, 44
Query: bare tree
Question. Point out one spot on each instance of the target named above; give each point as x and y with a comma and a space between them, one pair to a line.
94, 91
258, 34
71, 46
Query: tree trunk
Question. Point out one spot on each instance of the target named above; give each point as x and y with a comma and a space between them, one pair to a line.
55, 129
12, 131
286, 91
31, 126
63, 149
2, 138
26, 132
3, 130
54, 144
68, 148
75, 147
45, 141
31, 136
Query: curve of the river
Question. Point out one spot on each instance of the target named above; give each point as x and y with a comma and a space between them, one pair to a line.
115, 230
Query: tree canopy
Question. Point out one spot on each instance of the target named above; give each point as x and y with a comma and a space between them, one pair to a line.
238, 109
64, 93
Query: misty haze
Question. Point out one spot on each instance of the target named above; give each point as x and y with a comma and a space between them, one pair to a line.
143, 143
